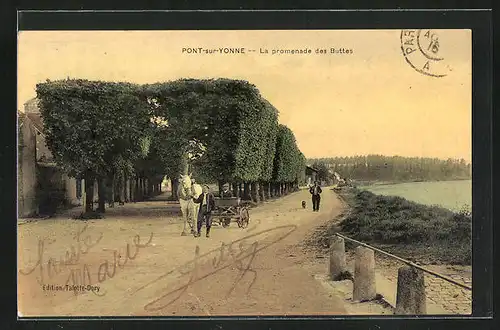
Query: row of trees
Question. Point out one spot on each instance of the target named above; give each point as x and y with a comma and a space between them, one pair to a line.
128, 137
395, 168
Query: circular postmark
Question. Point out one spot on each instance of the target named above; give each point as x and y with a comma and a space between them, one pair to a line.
422, 51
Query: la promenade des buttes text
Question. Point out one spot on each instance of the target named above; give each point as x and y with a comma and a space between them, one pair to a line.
266, 51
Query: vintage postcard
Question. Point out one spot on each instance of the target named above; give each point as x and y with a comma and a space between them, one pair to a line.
229, 173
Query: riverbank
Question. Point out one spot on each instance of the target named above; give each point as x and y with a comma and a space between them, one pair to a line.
453, 195
427, 234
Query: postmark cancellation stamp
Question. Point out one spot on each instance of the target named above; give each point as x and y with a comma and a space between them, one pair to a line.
423, 51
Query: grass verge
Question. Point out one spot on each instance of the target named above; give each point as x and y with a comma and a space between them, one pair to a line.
427, 234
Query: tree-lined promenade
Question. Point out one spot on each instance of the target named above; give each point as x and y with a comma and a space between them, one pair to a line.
128, 137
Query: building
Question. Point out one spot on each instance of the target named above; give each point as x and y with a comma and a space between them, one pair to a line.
311, 175
42, 186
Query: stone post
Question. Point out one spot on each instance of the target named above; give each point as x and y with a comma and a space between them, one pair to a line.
410, 298
337, 257
364, 275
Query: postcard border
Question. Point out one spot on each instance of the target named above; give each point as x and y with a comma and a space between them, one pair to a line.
478, 21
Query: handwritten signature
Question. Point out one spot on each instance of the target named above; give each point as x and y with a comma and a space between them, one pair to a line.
82, 276
71, 258
208, 264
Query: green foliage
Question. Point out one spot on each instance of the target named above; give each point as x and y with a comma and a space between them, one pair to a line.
228, 118
323, 172
289, 161
270, 120
92, 124
301, 176
409, 228
258, 124
227, 129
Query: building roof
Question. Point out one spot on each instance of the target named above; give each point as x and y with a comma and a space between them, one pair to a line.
36, 120
311, 169
32, 112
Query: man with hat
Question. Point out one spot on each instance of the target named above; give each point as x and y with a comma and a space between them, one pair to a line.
316, 196
207, 204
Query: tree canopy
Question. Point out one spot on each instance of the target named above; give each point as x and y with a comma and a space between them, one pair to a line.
288, 159
93, 127
222, 128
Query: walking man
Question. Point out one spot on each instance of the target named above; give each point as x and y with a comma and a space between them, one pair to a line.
207, 204
316, 196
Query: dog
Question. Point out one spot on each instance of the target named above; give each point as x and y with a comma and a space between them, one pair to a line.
303, 204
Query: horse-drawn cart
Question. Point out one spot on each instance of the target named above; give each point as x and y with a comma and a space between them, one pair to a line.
229, 208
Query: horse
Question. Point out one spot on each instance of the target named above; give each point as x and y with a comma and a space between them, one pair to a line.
186, 192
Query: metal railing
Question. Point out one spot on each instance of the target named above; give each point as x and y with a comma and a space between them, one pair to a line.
446, 278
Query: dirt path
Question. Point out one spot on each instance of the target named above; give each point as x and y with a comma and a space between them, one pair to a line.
259, 270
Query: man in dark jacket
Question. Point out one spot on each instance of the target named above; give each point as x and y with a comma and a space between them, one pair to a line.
316, 196
207, 204
225, 193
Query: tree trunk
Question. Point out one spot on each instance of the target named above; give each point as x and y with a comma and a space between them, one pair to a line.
133, 185
261, 190
268, 190
246, 191
219, 184
175, 186
112, 192
254, 186
127, 189
136, 189
101, 191
141, 191
123, 188
236, 190
144, 189
89, 193
131, 189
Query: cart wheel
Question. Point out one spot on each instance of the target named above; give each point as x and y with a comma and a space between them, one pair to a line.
244, 218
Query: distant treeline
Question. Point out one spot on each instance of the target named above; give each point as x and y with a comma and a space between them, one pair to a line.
393, 168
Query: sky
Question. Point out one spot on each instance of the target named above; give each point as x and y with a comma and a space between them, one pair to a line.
367, 100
